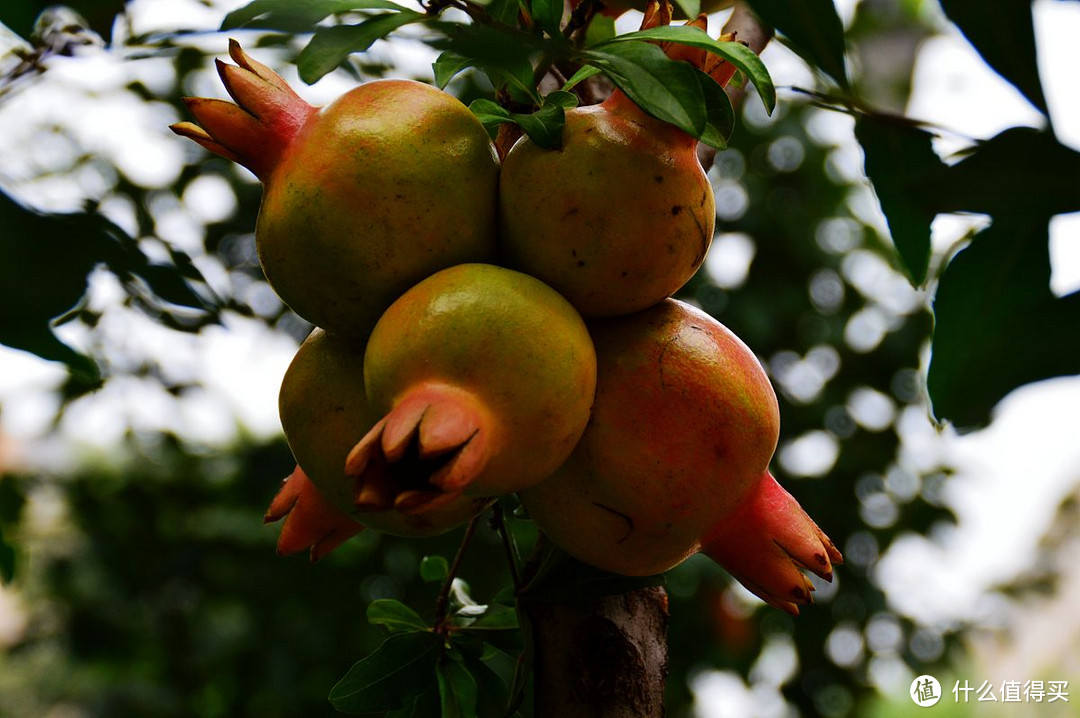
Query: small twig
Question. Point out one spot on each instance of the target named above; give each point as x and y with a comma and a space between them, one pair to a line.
442, 602
498, 522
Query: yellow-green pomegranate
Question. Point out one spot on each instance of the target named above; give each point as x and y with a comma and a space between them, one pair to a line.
324, 412
362, 198
483, 377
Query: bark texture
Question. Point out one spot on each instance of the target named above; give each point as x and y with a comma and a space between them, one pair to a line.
601, 658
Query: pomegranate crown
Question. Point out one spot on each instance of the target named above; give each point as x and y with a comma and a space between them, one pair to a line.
255, 131
658, 14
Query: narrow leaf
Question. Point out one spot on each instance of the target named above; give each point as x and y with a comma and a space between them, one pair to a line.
721, 116
447, 65
666, 89
600, 29
901, 163
1020, 171
394, 672
395, 616
690, 8
1003, 32
997, 325
492, 692
548, 14
299, 15
424, 705
584, 73
743, 58
813, 28
457, 689
544, 126
497, 618
331, 45
489, 119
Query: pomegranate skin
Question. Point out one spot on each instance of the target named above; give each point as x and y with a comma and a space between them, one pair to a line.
385, 186
362, 198
324, 412
684, 423
488, 372
617, 219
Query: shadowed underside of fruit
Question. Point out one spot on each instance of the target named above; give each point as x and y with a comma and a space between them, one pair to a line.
362, 198
324, 412
484, 376
676, 455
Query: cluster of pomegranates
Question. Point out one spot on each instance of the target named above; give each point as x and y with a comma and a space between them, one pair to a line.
487, 327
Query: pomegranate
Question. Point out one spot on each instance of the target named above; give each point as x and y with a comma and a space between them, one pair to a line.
618, 219
362, 198
324, 412
675, 460
623, 214
485, 377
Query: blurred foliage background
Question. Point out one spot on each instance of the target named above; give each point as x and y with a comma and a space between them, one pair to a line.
139, 580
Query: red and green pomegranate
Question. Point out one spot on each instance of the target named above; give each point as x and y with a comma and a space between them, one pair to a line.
622, 215
324, 412
675, 460
362, 198
484, 378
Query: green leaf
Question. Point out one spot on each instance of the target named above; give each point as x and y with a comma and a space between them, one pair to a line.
497, 618
1020, 171
600, 29
447, 65
297, 15
7, 559
583, 73
425, 705
397, 670
1003, 32
813, 28
666, 89
457, 688
504, 12
548, 15
504, 59
492, 692
721, 116
900, 161
743, 58
997, 325
691, 8
44, 263
331, 45
545, 126
435, 569
395, 616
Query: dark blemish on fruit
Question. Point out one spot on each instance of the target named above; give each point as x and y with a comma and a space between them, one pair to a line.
581, 263
571, 212
659, 179
676, 210
820, 558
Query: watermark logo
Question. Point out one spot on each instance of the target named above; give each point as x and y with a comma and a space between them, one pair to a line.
925, 691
